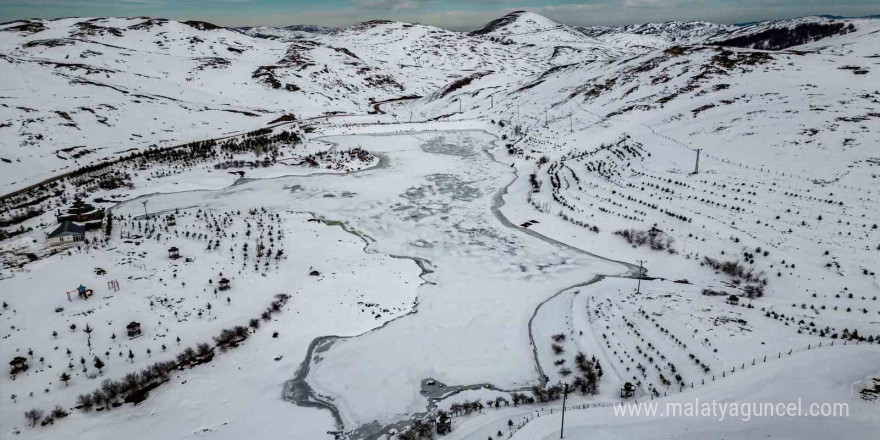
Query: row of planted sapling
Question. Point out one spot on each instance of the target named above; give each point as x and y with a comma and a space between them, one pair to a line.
135, 387
123, 171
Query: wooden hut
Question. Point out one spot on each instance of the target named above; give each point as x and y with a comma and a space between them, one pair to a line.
18, 364
134, 329
223, 284
627, 390
733, 300
173, 253
170, 220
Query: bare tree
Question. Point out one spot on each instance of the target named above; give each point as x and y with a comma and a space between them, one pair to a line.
33, 416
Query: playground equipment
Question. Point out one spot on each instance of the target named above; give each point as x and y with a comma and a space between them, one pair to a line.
81, 291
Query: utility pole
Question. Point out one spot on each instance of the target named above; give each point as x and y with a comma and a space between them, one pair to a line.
546, 120
570, 123
697, 166
641, 270
492, 101
144, 202
565, 391
459, 105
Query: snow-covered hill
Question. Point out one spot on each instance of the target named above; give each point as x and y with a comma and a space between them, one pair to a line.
286, 33
782, 34
672, 32
565, 43
427, 58
80, 90
528, 27
786, 168
771, 35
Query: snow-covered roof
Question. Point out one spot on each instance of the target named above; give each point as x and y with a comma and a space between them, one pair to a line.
68, 228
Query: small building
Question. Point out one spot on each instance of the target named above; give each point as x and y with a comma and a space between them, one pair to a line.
627, 390
134, 329
170, 220
173, 253
67, 233
82, 212
733, 300
223, 284
18, 364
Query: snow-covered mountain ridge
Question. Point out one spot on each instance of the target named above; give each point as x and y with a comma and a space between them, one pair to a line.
97, 78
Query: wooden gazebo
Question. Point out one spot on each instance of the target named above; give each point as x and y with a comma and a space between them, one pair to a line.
173, 253
134, 329
733, 300
170, 220
627, 390
223, 284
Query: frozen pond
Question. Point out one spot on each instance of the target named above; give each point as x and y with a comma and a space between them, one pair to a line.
435, 198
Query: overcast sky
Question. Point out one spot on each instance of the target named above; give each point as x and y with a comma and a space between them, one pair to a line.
451, 14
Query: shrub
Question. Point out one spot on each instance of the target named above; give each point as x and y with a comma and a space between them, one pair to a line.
33, 416
654, 238
85, 401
